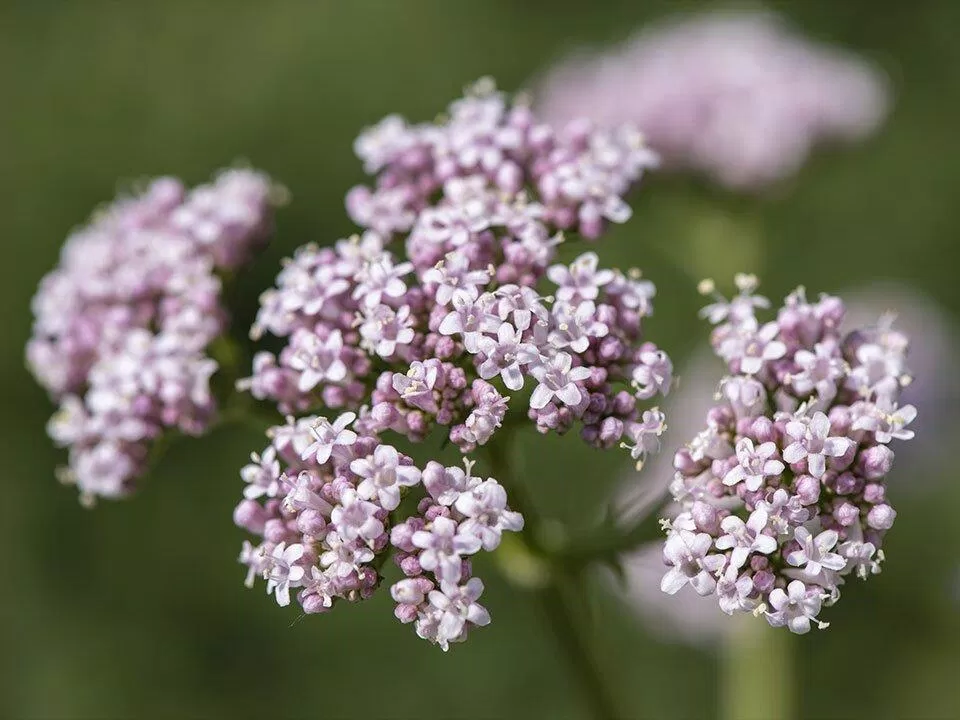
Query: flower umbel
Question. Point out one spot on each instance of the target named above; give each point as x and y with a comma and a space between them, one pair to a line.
123, 325
782, 496
326, 522
430, 319
738, 96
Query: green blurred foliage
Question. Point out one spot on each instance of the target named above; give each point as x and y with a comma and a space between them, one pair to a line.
137, 608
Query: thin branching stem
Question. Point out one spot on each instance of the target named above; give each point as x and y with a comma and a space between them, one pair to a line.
555, 597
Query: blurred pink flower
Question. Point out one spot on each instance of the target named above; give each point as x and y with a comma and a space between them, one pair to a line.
736, 95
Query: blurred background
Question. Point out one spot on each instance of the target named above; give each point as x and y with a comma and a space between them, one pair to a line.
138, 608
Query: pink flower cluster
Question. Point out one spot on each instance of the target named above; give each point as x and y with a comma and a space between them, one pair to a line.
122, 324
782, 495
435, 332
737, 96
432, 318
324, 498
491, 149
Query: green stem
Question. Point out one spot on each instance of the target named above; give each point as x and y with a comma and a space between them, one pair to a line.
606, 547
519, 500
241, 409
756, 673
557, 607
554, 596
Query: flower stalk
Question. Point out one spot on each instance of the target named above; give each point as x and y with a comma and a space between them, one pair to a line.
554, 594
756, 656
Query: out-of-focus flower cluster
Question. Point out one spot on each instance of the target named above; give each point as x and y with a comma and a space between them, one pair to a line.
433, 316
324, 498
734, 95
121, 325
782, 495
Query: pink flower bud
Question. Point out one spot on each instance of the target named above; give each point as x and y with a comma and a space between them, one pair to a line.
250, 516
846, 514
875, 462
808, 489
881, 517
405, 613
705, 517
410, 566
874, 493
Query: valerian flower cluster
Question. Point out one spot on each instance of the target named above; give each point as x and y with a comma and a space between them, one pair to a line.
449, 309
453, 314
782, 495
323, 496
122, 324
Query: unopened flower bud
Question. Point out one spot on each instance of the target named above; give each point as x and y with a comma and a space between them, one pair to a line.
875, 462
881, 517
